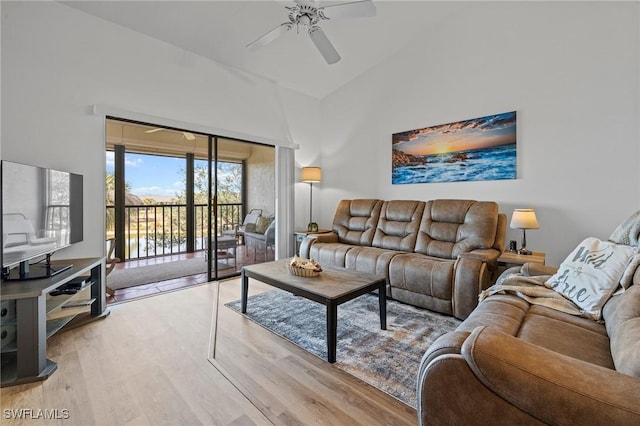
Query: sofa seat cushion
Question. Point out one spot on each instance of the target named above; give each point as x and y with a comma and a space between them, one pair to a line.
577, 337
330, 254
371, 260
422, 281
578, 340
254, 236
582, 322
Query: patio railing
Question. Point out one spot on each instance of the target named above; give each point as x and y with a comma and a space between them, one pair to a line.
161, 229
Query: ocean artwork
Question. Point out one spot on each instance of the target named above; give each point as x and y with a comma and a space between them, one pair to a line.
471, 150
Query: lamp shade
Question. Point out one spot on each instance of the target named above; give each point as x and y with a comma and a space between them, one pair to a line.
524, 219
311, 174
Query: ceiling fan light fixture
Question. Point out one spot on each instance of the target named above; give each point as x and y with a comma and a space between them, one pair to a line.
304, 20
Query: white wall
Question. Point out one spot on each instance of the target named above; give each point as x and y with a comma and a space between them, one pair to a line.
570, 70
58, 61
306, 126
261, 179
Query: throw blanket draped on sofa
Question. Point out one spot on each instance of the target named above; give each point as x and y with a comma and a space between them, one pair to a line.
533, 290
628, 232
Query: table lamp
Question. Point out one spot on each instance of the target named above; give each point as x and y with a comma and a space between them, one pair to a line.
311, 175
524, 219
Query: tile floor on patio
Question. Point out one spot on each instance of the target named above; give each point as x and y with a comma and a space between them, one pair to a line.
244, 256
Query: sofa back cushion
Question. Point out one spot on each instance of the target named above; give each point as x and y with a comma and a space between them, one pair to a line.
355, 221
452, 227
398, 225
622, 319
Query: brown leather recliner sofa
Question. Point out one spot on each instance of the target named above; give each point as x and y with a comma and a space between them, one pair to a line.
436, 254
511, 362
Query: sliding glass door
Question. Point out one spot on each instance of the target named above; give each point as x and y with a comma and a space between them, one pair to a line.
174, 195
241, 205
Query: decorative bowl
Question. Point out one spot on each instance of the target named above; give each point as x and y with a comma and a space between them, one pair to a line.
302, 272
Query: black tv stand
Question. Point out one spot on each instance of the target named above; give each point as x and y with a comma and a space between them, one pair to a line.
35, 271
31, 314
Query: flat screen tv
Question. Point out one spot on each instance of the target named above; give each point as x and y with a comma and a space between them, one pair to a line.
41, 213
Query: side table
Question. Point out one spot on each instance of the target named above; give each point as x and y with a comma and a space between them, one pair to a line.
509, 258
299, 236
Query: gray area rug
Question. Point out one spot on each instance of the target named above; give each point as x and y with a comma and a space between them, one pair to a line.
386, 359
131, 277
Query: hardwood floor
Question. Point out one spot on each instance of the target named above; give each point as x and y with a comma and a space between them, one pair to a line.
147, 363
287, 383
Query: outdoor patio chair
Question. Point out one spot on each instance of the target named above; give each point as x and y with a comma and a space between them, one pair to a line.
259, 241
248, 225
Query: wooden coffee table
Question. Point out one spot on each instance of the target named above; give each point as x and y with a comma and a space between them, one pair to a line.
333, 287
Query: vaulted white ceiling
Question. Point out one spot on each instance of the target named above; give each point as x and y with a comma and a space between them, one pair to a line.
220, 30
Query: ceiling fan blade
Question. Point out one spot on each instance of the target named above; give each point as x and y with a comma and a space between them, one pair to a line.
270, 36
356, 9
189, 136
154, 130
323, 44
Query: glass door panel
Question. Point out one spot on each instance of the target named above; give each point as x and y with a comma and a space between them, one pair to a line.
243, 182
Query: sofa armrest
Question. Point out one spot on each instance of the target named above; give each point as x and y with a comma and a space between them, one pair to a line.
472, 274
305, 245
554, 388
327, 237
450, 343
488, 256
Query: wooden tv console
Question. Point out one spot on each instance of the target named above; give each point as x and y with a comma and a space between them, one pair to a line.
29, 315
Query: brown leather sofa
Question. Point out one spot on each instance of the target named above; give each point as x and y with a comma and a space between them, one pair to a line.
511, 362
436, 254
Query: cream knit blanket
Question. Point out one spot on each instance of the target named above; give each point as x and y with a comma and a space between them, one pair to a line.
533, 290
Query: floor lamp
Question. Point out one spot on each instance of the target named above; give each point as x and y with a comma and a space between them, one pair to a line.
311, 175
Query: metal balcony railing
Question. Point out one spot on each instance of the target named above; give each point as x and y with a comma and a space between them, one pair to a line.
161, 229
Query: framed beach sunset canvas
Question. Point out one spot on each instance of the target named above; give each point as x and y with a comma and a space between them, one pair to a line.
471, 150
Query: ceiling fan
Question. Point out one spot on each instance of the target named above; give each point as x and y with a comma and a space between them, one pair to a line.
188, 136
307, 14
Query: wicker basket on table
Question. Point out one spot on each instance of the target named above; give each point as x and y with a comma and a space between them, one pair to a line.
304, 267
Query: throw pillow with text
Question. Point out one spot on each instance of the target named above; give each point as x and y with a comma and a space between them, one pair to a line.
591, 273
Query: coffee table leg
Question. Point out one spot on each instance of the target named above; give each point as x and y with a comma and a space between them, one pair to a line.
245, 291
382, 298
332, 334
